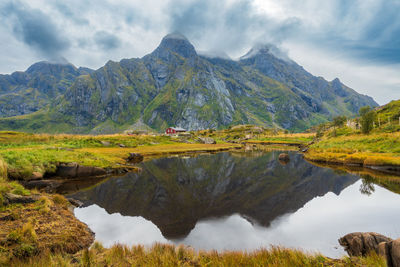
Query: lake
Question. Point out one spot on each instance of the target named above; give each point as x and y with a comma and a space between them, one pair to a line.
237, 201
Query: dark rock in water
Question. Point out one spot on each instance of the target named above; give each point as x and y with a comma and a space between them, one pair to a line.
17, 199
85, 171
67, 169
305, 149
360, 244
284, 157
72, 170
75, 202
135, 157
206, 140
48, 185
36, 176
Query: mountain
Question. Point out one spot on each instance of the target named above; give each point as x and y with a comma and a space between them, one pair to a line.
26, 92
175, 86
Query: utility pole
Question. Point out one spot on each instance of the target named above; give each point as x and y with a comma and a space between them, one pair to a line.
379, 121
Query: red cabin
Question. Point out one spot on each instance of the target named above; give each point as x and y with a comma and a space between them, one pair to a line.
174, 130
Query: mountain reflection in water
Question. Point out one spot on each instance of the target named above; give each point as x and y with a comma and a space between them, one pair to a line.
229, 201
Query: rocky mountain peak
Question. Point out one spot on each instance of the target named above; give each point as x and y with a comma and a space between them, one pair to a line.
176, 36
175, 43
262, 50
47, 67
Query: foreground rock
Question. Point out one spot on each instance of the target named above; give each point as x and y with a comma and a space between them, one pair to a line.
135, 157
72, 170
361, 244
36, 176
10, 198
207, 140
284, 157
391, 252
48, 185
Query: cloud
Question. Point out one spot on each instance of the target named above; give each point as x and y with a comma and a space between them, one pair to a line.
353, 34
228, 26
106, 40
35, 29
363, 30
70, 13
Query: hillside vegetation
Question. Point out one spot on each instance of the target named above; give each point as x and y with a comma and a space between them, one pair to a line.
349, 145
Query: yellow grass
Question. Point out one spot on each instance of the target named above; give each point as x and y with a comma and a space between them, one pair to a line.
28, 153
3, 169
38, 227
359, 158
373, 149
170, 255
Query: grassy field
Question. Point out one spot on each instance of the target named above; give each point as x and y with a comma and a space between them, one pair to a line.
25, 154
345, 145
356, 148
256, 134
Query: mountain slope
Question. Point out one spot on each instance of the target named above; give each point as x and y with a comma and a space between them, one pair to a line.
26, 92
175, 86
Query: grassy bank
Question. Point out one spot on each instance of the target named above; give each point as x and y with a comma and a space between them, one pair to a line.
296, 139
373, 149
170, 255
25, 154
256, 134
44, 224
36, 224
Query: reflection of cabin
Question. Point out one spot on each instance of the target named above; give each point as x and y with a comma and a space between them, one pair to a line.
174, 130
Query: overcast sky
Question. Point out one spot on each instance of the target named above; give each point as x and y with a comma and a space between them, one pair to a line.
357, 41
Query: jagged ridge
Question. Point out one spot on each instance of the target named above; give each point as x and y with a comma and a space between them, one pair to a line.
175, 86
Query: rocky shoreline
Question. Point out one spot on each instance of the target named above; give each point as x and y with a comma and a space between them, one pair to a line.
388, 169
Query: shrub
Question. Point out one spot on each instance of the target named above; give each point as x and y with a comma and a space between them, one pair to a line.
18, 189
87, 258
339, 121
60, 200
43, 204
25, 250
3, 170
368, 116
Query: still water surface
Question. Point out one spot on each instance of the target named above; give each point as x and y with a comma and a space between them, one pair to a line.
237, 201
